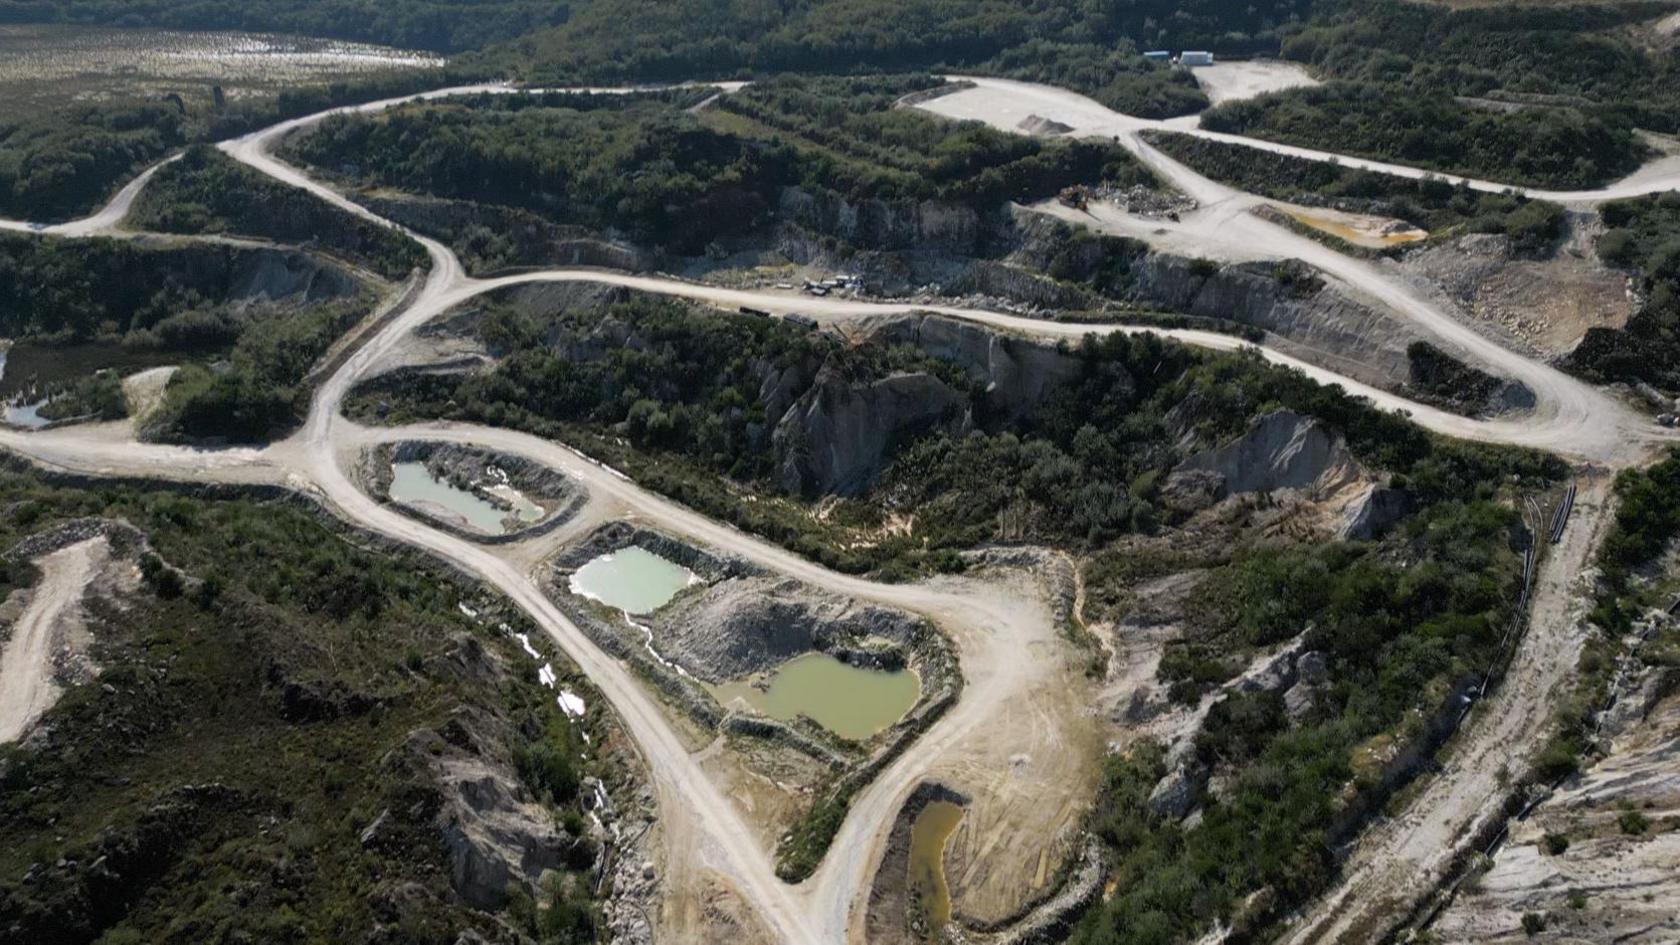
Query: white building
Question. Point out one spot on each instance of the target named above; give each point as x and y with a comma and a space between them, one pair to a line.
1188, 58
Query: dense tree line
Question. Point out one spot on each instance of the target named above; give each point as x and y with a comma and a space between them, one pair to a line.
438, 25
643, 168
679, 39
1642, 235
1558, 148
207, 192
53, 166
1116, 76
175, 300
1431, 203
1536, 94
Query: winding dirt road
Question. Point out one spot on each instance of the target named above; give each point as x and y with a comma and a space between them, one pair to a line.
990, 629
27, 688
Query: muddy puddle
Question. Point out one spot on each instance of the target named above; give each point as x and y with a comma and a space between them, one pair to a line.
852, 703
1360, 236
928, 836
633, 579
414, 484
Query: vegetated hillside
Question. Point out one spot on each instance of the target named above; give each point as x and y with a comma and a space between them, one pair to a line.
642, 167
208, 192
1582, 56
1533, 94
648, 39
1556, 148
1433, 204
1642, 236
740, 417
1077, 461
66, 164
439, 25
267, 315
1284, 774
285, 730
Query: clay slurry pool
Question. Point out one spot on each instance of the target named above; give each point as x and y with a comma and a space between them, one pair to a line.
413, 483
633, 579
928, 837
852, 703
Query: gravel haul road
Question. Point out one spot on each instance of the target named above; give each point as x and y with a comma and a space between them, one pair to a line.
27, 688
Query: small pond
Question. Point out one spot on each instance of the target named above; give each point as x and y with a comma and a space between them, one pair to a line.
928, 837
633, 579
413, 483
852, 703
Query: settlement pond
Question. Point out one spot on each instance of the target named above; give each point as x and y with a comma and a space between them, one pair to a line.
928, 838
412, 483
852, 703
633, 579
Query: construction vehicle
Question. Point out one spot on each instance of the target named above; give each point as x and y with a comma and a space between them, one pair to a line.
1076, 197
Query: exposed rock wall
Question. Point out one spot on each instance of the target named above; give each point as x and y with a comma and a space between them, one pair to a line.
1608, 883
838, 435
882, 224
1282, 450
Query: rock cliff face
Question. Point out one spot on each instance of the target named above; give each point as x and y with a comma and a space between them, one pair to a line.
838, 435
495, 833
1017, 374
1285, 299
273, 276
881, 224
1282, 450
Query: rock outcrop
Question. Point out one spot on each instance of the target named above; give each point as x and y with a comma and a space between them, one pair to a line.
1374, 512
1607, 873
838, 435
495, 833
1285, 298
1281, 450
883, 224
1017, 374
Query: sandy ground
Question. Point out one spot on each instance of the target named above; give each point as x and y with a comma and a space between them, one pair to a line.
1232, 81
1401, 860
49, 621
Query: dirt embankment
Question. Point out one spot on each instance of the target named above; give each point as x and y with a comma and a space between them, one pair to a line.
891, 918
1542, 305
